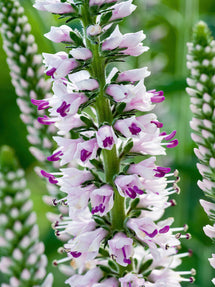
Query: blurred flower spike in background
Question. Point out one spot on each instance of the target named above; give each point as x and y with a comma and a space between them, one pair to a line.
109, 140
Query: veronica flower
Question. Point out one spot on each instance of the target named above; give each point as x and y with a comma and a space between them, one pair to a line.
201, 84
23, 260
118, 199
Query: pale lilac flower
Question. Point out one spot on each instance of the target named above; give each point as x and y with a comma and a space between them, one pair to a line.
110, 282
129, 185
81, 81
81, 53
212, 261
120, 246
74, 177
94, 30
105, 137
131, 42
88, 242
133, 75
122, 10
58, 65
68, 123
102, 200
86, 150
132, 280
209, 230
63, 103
68, 147
54, 6
59, 34
100, 2
209, 207
135, 126
88, 279
144, 168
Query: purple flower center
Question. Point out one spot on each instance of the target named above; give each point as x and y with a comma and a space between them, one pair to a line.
134, 129
125, 260
133, 191
51, 72
151, 235
165, 229
75, 254
63, 109
85, 154
170, 136
55, 156
108, 141
99, 208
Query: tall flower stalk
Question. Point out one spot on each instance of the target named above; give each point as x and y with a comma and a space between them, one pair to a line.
108, 141
22, 261
201, 64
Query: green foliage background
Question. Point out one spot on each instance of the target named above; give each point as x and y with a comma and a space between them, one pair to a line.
168, 26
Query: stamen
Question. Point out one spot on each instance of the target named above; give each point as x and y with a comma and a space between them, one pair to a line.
55, 156
51, 177
42, 104
45, 120
157, 123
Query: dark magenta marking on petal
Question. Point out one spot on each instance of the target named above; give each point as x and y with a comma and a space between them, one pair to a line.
137, 190
75, 254
134, 129
85, 154
63, 109
151, 235
130, 192
165, 229
108, 141
51, 72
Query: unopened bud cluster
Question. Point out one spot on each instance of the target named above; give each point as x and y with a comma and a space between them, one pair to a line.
201, 82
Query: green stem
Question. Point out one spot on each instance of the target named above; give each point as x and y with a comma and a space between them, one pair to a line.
104, 115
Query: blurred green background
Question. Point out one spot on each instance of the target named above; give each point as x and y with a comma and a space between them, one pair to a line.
168, 26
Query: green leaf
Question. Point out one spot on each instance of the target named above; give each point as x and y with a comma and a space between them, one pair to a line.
97, 164
135, 213
76, 39
113, 265
105, 18
127, 148
87, 121
105, 269
144, 266
134, 203
104, 252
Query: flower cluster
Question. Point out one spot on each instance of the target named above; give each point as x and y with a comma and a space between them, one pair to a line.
108, 140
201, 63
22, 260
